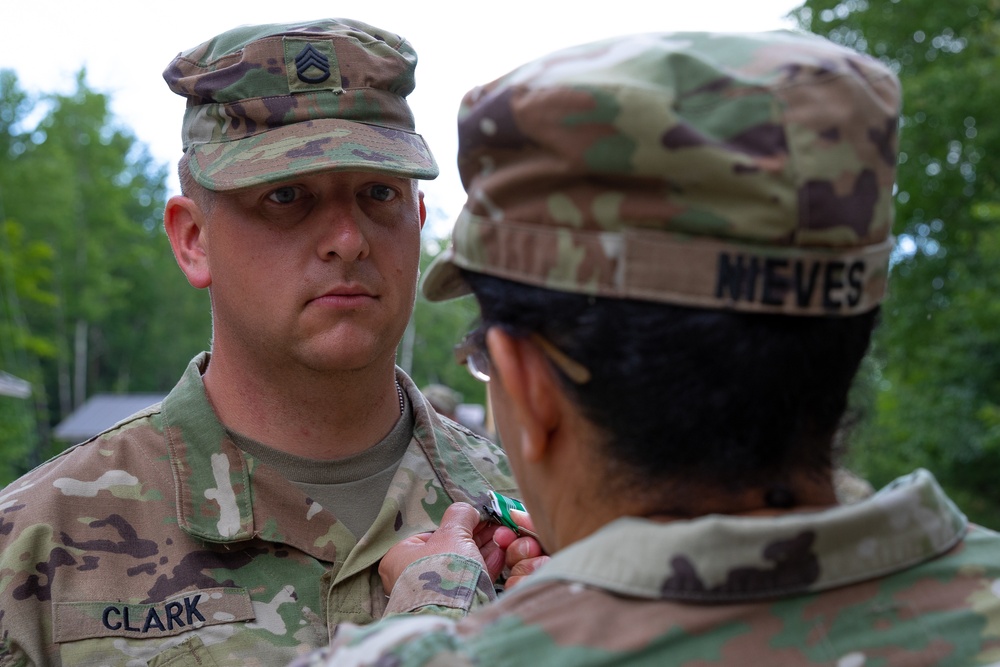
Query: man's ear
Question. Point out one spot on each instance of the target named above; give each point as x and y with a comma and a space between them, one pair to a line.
184, 223
531, 387
423, 209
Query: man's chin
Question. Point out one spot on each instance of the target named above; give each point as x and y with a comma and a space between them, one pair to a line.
354, 357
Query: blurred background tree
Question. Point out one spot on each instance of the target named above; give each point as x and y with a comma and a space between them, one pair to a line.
91, 298
931, 393
426, 351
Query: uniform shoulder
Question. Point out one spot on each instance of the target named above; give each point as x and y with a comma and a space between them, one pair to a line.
486, 456
114, 457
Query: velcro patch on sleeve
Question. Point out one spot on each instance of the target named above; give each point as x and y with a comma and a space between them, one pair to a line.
177, 614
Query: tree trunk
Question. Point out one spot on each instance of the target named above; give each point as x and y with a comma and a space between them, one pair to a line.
80, 363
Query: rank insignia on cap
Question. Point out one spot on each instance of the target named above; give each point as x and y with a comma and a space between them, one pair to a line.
309, 58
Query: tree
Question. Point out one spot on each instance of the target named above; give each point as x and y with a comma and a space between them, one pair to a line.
434, 330
25, 274
933, 380
25, 278
98, 303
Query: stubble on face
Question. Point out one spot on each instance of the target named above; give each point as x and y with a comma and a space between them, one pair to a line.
326, 280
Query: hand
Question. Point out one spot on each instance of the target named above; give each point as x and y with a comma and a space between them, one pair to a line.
524, 554
461, 532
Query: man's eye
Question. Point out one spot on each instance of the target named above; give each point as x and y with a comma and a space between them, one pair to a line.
285, 195
381, 193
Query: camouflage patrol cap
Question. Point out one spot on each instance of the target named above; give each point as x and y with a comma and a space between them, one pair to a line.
735, 171
269, 102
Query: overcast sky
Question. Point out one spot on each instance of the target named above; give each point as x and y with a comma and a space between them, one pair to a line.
126, 44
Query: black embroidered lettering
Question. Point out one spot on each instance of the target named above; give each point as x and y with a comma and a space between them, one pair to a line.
854, 279
173, 611
729, 277
128, 625
833, 280
739, 279
152, 618
106, 616
191, 608
751, 280
804, 286
776, 284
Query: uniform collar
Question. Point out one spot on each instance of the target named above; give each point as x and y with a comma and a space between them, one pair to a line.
226, 496
730, 559
211, 475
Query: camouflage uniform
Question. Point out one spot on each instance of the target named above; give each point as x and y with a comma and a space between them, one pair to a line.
749, 173
160, 542
897, 579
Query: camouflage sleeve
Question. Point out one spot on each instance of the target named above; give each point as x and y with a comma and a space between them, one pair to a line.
444, 584
7, 656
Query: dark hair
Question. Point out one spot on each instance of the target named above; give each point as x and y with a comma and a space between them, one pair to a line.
724, 399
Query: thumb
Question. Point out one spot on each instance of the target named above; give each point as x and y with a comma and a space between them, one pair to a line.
522, 519
459, 521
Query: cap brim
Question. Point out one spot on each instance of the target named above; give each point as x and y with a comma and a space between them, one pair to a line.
325, 144
443, 279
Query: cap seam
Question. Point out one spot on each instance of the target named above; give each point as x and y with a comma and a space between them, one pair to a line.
829, 77
297, 35
770, 91
202, 65
766, 243
278, 127
244, 100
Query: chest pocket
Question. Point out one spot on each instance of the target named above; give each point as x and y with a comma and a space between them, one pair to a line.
191, 652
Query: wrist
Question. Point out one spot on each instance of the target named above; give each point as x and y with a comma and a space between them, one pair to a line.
449, 581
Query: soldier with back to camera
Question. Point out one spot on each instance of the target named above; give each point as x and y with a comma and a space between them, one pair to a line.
678, 243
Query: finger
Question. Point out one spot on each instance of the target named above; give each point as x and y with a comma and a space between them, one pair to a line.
459, 518
522, 519
521, 549
504, 536
528, 566
483, 533
511, 582
494, 558
523, 570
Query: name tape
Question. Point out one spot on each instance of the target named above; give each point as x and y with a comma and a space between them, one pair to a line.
186, 611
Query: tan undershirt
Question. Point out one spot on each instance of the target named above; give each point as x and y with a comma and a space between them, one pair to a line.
353, 488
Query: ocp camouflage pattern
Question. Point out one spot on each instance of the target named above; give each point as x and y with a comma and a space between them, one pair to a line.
160, 542
898, 579
266, 103
744, 171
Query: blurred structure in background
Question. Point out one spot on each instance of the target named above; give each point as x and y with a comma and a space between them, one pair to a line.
448, 403
100, 412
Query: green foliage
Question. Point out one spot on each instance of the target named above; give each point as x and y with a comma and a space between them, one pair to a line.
25, 274
92, 300
434, 330
932, 389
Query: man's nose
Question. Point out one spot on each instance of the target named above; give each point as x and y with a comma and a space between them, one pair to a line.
342, 233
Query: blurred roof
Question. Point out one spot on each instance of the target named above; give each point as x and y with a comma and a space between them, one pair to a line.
100, 412
11, 385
